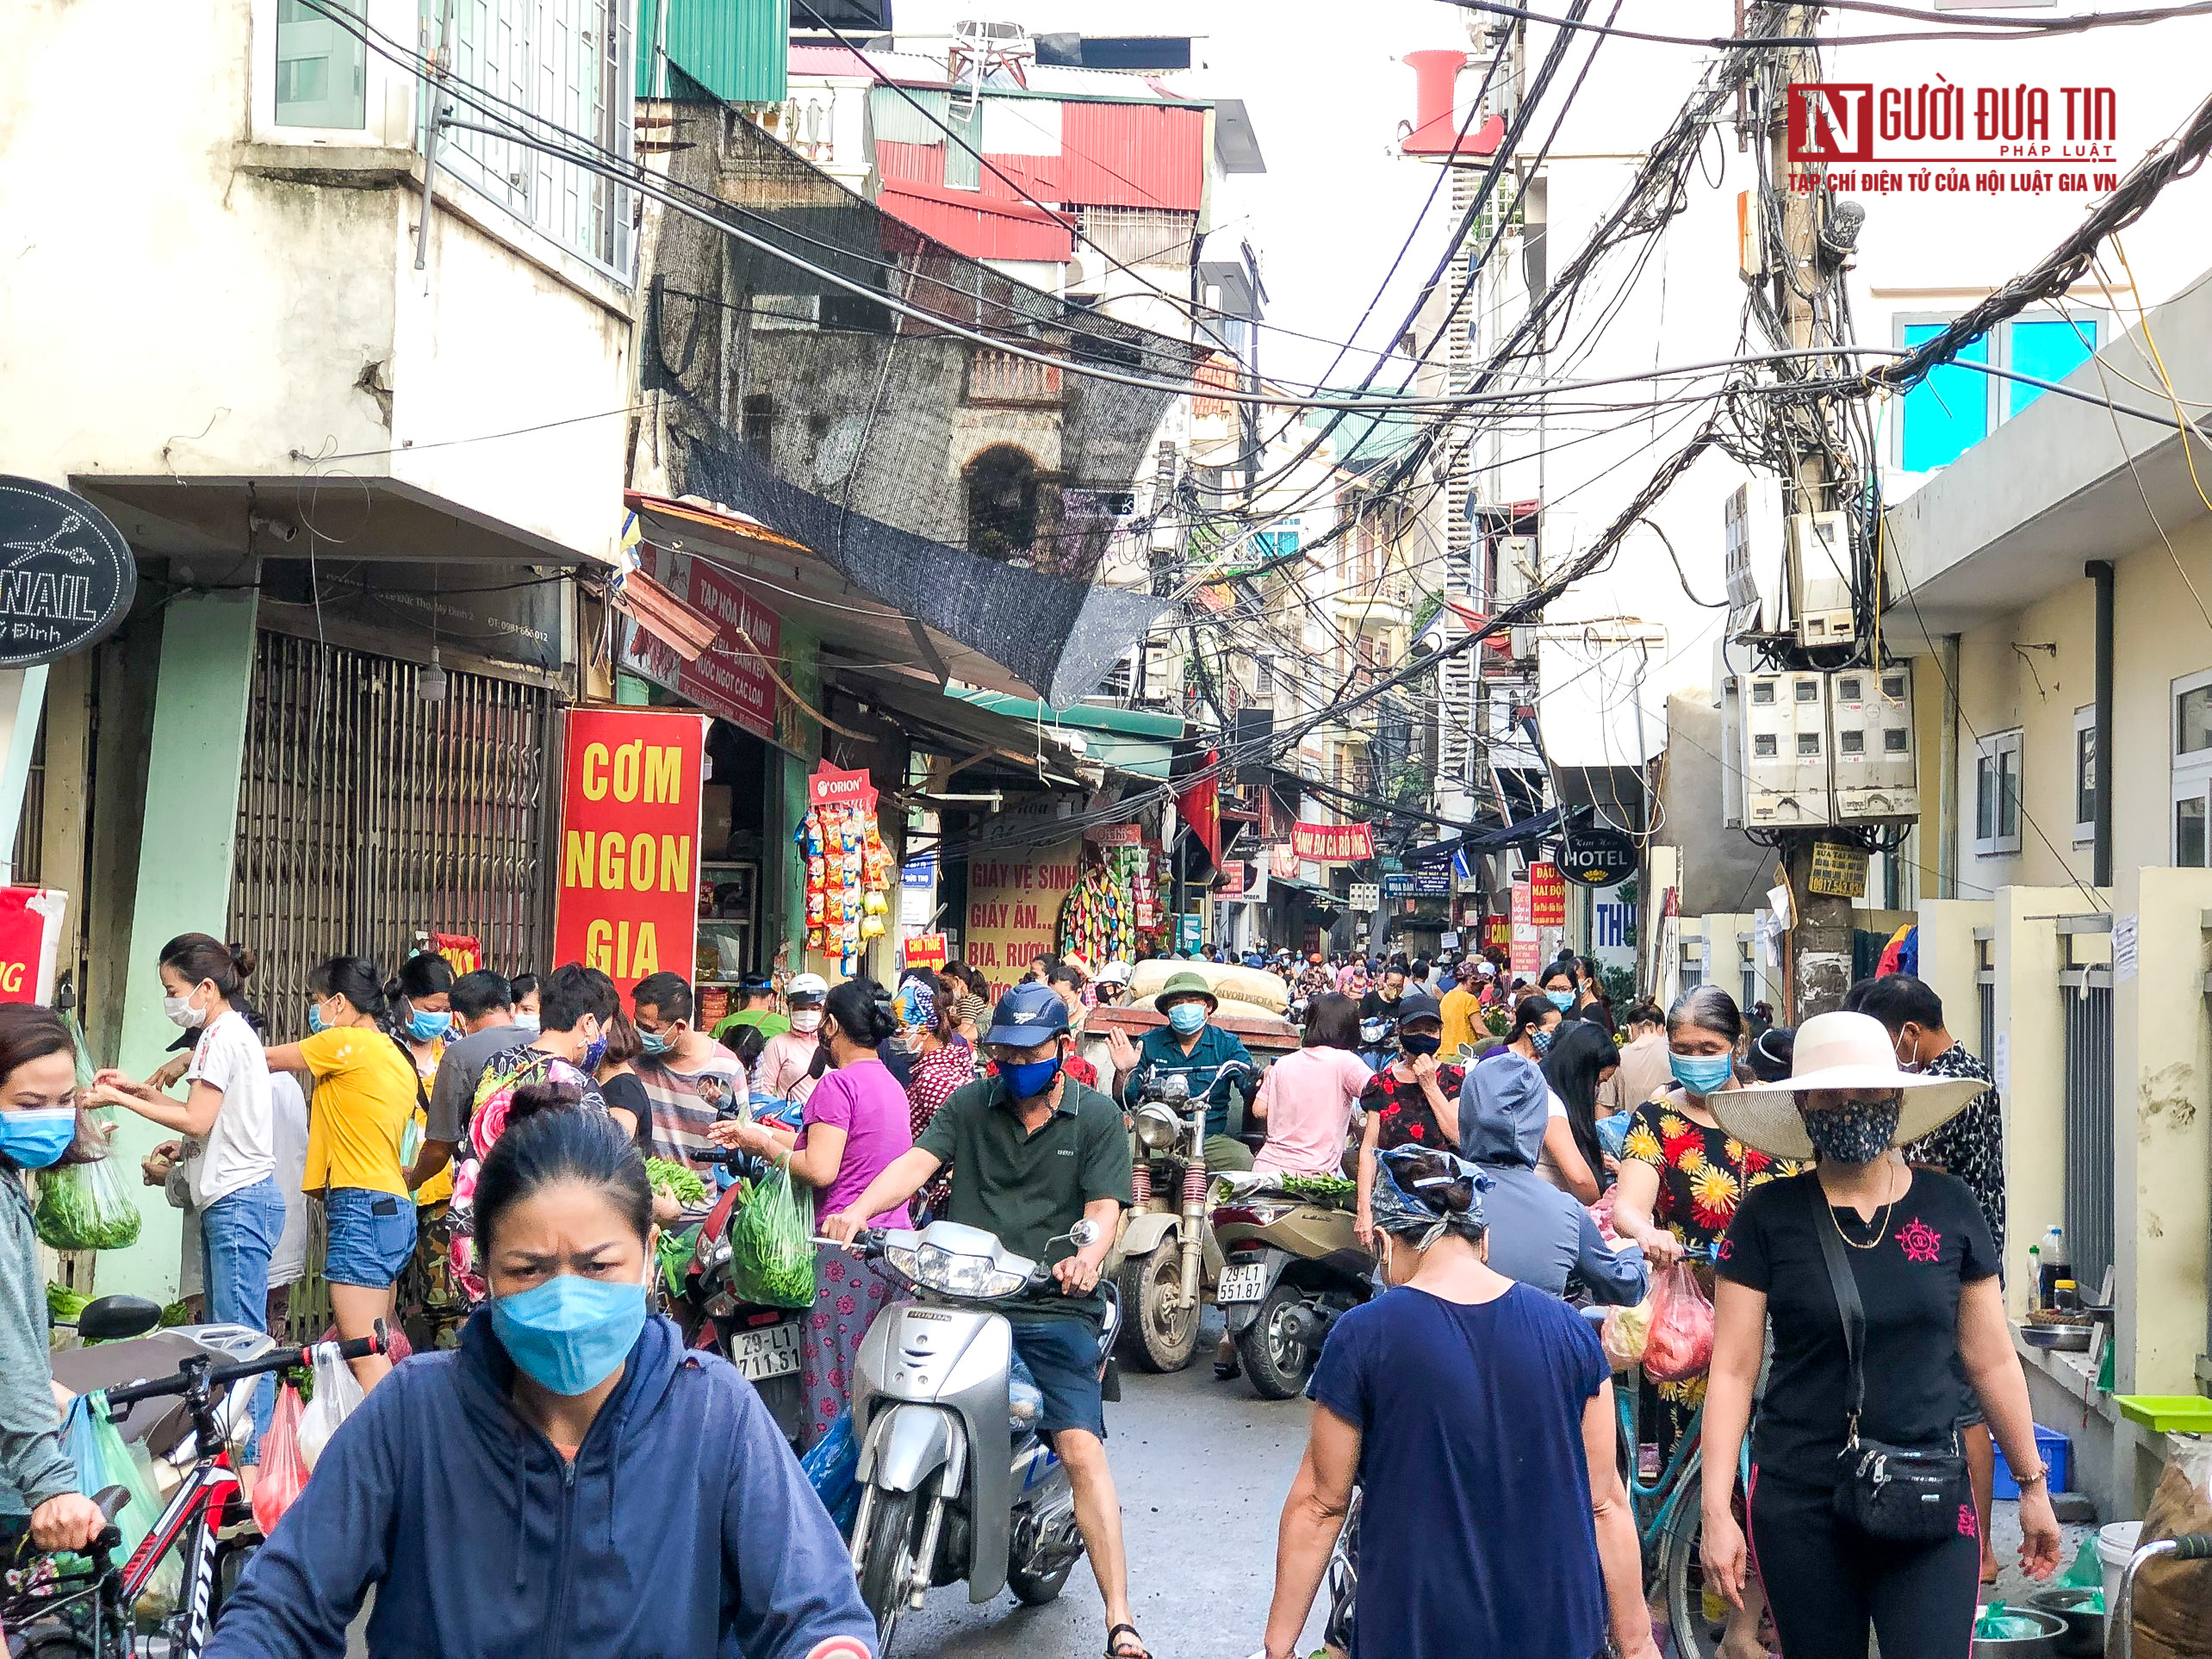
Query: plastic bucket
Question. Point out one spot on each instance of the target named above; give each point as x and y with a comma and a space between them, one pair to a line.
2116, 1543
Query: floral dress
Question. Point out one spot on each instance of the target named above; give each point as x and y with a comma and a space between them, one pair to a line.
1403, 1109
1703, 1176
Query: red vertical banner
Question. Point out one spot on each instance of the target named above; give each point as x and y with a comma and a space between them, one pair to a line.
30, 938
1547, 891
628, 900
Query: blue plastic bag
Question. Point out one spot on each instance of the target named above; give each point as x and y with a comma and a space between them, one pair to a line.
832, 1464
1612, 1133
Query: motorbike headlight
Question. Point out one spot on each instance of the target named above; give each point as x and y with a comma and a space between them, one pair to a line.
900, 1259
711, 1251
952, 1275
1157, 1128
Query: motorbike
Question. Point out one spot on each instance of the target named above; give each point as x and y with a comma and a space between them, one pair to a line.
1378, 1042
1291, 1267
1159, 1263
955, 1481
763, 1343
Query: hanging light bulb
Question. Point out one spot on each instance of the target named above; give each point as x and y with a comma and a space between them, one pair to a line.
432, 685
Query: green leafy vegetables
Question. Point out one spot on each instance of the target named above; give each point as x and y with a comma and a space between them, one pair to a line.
771, 1243
674, 1180
84, 1207
1332, 1190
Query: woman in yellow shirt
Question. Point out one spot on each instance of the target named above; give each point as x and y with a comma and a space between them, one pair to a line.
364, 1097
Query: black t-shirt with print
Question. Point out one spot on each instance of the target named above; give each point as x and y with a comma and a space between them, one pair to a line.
1932, 1242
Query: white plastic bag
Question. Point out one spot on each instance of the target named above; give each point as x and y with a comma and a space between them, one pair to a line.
337, 1393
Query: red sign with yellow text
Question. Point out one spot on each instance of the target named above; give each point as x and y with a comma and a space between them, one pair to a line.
1547, 893
926, 950
30, 935
1333, 843
628, 899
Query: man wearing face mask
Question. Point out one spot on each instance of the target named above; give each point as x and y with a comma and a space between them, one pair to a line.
1033, 1151
1213, 1061
575, 1008
483, 1006
686, 1074
787, 1063
1382, 1001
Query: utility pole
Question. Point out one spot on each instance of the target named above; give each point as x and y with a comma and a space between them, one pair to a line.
1821, 926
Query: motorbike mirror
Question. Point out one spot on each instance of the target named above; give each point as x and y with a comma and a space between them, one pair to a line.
112, 1318
1084, 1233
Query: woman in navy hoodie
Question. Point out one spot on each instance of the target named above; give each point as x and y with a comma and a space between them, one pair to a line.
571, 1481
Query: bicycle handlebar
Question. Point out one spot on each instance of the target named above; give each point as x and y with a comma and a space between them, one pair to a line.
277, 1359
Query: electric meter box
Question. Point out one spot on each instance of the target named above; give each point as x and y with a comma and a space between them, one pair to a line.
1820, 579
1784, 724
1873, 762
1731, 752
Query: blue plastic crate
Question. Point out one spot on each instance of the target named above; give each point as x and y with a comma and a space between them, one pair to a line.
2057, 1452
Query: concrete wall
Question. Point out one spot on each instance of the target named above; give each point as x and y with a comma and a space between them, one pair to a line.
193, 292
1722, 869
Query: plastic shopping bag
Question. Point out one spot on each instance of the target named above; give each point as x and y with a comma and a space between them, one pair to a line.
337, 1393
1680, 1343
283, 1471
831, 1464
1626, 1333
84, 1207
771, 1243
102, 1459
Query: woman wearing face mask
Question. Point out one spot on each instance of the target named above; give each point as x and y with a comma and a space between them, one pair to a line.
1411, 1102
40, 1129
365, 1095
1911, 1247
228, 1120
421, 997
1537, 1020
786, 1065
857, 1121
631, 1495
1561, 988
1461, 1554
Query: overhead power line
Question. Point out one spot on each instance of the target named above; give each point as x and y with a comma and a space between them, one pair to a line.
1979, 28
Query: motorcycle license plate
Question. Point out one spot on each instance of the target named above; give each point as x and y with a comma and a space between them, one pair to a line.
1247, 1283
759, 1355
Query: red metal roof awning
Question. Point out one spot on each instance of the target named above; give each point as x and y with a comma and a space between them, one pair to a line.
983, 227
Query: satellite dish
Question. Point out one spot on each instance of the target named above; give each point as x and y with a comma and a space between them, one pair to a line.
841, 448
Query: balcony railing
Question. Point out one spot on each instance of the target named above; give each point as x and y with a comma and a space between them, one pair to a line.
1002, 377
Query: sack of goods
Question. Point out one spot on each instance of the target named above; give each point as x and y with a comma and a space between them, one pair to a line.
1254, 986
2173, 1598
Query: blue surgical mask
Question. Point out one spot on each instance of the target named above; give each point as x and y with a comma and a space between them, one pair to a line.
568, 1334
315, 1018
36, 1139
1701, 1074
1031, 1077
653, 1042
1187, 1018
1561, 1000
426, 1027
527, 1024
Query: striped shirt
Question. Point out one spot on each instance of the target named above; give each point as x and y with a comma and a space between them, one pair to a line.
683, 1104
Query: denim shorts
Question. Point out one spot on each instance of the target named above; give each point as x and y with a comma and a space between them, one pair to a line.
1061, 1352
372, 1235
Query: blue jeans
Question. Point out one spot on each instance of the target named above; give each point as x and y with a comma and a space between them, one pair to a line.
237, 1233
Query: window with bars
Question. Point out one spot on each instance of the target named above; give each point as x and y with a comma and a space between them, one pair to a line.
567, 64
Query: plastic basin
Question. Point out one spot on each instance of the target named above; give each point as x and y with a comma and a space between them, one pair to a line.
2169, 1413
2039, 1636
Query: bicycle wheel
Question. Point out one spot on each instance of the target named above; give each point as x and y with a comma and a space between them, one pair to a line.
1695, 1614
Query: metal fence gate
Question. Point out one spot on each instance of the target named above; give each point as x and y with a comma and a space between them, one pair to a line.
2085, 998
367, 816
1985, 993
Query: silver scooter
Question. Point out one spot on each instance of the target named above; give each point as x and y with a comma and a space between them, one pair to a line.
956, 1482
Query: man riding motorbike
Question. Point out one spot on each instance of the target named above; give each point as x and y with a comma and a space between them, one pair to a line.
1033, 1151
1213, 1059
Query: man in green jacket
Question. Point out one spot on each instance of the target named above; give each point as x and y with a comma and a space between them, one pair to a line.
1213, 1061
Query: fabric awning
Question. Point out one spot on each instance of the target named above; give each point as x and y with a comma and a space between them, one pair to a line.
944, 724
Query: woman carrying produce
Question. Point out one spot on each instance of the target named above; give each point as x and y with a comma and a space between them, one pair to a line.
1882, 1282
40, 1129
366, 1091
857, 1121
229, 1122
634, 1496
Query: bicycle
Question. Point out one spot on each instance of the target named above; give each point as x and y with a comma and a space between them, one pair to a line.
1669, 1515
207, 1517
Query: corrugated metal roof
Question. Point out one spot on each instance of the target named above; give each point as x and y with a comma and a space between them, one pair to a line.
734, 48
977, 226
836, 62
897, 120
1133, 156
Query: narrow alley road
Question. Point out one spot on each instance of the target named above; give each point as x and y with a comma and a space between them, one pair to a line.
1202, 1468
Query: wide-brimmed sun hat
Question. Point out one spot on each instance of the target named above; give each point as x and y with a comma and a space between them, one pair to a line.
1839, 1050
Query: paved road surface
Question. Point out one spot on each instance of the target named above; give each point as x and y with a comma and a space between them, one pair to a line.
1202, 1468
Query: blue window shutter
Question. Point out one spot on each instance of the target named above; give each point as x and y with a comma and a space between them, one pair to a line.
1947, 413
2049, 349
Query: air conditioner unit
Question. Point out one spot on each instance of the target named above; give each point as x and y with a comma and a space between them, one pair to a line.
1784, 727
1820, 579
1872, 755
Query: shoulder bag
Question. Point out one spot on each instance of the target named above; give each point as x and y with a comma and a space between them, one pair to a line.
1897, 1494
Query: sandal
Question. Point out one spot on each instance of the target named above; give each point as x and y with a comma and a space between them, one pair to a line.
1114, 1649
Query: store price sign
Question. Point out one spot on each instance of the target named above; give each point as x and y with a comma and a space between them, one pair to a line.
627, 903
1547, 892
